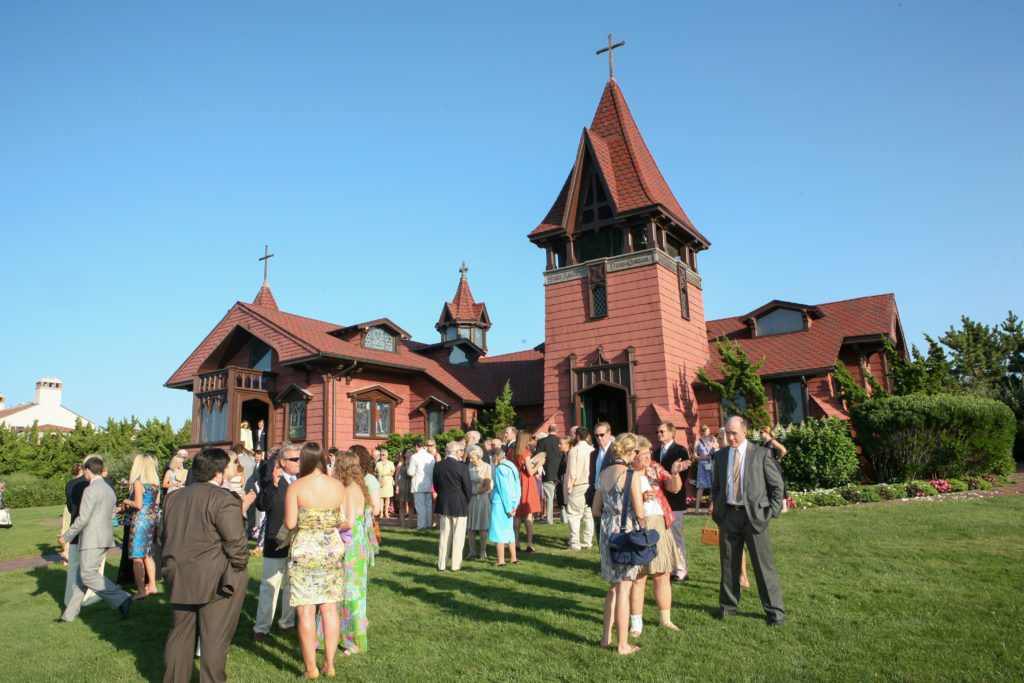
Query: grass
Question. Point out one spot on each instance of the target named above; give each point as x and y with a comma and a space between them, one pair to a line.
918, 591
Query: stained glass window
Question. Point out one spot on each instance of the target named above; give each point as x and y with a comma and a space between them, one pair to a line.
600, 301
789, 402
379, 338
362, 418
213, 422
296, 420
684, 296
435, 422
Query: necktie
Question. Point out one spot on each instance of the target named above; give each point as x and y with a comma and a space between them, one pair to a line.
736, 475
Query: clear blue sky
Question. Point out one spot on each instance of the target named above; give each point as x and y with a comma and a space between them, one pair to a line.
148, 151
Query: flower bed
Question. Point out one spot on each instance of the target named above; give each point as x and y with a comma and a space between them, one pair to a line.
911, 490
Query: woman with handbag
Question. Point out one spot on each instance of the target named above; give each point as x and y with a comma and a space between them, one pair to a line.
618, 494
658, 515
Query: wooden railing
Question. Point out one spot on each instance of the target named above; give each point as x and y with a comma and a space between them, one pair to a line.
233, 378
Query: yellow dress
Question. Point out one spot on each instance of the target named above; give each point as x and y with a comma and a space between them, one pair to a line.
315, 569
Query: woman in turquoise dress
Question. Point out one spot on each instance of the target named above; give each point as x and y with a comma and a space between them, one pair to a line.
144, 501
504, 502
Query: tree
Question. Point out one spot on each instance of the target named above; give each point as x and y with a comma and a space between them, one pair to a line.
976, 356
492, 422
740, 391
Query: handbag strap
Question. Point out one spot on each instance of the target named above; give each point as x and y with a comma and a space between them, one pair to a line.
627, 492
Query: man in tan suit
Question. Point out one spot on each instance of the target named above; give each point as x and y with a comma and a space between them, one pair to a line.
205, 554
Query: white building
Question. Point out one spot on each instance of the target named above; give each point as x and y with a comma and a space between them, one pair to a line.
46, 411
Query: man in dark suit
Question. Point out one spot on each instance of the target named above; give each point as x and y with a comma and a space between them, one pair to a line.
600, 458
95, 537
205, 558
550, 446
261, 436
280, 471
746, 494
668, 453
454, 489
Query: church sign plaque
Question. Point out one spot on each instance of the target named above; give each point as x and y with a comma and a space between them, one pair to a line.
630, 261
564, 275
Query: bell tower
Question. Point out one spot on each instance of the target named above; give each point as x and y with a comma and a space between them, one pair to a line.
624, 313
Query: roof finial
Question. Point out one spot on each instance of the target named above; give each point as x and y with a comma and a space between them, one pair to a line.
266, 260
611, 70
463, 270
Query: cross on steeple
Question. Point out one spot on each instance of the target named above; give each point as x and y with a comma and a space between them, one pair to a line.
266, 260
463, 270
609, 49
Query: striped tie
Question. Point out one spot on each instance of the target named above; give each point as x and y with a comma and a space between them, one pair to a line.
736, 475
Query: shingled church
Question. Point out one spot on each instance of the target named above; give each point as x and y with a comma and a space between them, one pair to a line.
625, 332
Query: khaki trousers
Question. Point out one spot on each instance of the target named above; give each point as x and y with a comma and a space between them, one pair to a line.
453, 539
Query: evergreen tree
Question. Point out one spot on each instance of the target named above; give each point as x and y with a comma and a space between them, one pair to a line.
492, 422
741, 390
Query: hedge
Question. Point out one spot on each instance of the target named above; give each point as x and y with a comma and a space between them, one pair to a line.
921, 436
29, 491
821, 454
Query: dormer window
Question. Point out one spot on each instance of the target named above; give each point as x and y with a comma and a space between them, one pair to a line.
780, 321
379, 339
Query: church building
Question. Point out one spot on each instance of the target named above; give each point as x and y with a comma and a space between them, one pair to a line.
625, 333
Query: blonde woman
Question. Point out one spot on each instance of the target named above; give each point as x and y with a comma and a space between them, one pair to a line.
145, 497
174, 477
245, 435
609, 500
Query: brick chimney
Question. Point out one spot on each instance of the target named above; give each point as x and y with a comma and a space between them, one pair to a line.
48, 391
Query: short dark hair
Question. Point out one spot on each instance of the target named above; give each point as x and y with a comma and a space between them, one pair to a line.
238, 448
583, 434
208, 463
419, 442
332, 451
94, 464
311, 458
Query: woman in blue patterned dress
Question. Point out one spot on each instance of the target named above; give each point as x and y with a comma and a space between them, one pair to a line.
145, 499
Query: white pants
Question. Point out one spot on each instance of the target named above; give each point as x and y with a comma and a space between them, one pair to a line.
424, 510
453, 538
273, 583
549, 501
576, 512
69, 585
677, 534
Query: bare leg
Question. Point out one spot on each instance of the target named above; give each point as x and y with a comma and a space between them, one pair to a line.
139, 570
518, 523
622, 591
501, 553
609, 616
700, 492
307, 638
512, 552
663, 598
483, 546
332, 631
529, 532
151, 573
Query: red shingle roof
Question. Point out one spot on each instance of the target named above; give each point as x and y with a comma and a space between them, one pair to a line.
16, 409
816, 348
630, 172
265, 298
462, 307
524, 369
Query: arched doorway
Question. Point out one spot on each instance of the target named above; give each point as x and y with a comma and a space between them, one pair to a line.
254, 410
604, 403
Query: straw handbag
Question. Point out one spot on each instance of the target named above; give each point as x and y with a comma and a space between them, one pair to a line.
709, 534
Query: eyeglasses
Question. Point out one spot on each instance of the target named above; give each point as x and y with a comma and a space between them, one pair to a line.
600, 435
291, 459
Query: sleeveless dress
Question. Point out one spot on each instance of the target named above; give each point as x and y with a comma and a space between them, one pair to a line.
529, 501
315, 558
479, 504
359, 557
386, 474
144, 523
612, 501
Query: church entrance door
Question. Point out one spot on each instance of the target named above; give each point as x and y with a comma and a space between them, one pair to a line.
604, 403
254, 410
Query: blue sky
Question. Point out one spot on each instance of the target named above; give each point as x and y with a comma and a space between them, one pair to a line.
149, 150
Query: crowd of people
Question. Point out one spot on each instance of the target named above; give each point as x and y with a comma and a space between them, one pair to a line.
314, 516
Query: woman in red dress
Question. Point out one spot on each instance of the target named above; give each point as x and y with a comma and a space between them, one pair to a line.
529, 501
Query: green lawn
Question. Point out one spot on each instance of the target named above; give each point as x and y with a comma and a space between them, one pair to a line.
918, 591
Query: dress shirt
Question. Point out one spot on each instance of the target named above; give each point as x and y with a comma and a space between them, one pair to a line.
601, 452
742, 450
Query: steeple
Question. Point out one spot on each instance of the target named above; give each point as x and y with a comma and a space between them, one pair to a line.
463, 316
265, 298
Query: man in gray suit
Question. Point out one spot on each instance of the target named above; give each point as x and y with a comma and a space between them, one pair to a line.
747, 494
95, 533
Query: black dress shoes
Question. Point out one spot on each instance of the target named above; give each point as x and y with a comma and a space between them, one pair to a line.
775, 622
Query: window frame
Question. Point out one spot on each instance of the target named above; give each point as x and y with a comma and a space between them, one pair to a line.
375, 396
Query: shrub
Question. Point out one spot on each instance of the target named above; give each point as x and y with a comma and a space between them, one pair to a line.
29, 491
819, 499
821, 454
397, 443
956, 485
935, 436
451, 435
860, 494
920, 489
892, 491
978, 484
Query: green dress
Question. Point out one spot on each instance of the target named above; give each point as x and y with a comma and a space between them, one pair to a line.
359, 556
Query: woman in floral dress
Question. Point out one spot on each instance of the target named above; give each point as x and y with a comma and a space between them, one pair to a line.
145, 499
361, 549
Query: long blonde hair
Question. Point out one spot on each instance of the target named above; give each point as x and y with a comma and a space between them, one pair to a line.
144, 470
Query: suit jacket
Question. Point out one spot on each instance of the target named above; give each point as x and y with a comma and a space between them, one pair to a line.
270, 499
204, 544
553, 464
762, 486
261, 440
676, 501
595, 476
454, 487
73, 492
94, 526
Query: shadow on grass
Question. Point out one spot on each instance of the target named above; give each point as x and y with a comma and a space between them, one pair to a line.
143, 634
448, 594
